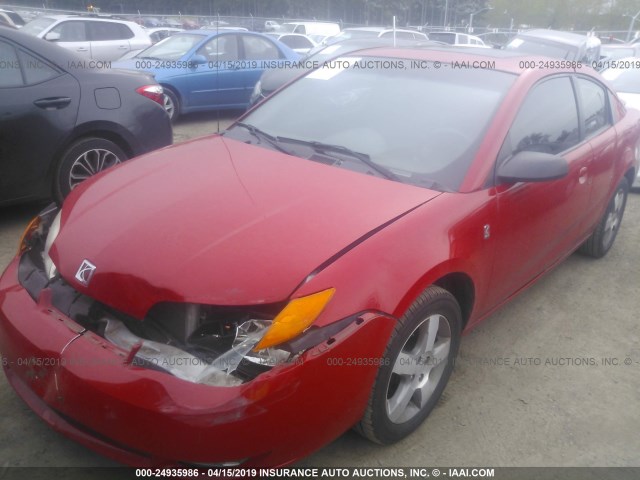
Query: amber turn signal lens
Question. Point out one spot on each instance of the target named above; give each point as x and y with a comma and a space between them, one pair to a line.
295, 318
26, 235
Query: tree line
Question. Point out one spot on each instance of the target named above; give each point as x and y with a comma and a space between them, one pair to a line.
559, 14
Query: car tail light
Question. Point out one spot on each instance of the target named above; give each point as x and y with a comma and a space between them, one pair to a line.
154, 92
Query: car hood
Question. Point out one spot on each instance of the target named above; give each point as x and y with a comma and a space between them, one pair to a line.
217, 221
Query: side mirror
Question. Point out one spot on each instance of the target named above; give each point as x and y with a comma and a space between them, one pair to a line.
532, 167
52, 36
198, 59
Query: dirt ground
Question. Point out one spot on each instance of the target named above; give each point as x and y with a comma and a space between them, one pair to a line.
553, 379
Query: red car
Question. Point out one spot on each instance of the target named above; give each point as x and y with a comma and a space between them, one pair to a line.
245, 298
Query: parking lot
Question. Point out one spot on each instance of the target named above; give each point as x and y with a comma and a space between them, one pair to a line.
552, 379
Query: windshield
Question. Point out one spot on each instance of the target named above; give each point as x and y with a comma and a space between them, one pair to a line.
625, 80
173, 47
17, 19
36, 26
420, 126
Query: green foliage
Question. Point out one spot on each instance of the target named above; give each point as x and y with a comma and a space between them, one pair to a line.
413, 12
564, 14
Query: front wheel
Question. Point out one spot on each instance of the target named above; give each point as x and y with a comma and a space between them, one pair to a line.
83, 159
420, 358
602, 238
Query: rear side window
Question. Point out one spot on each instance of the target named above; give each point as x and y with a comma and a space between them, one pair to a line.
220, 49
126, 32
102, 31
71, 31
548, 119
11, 74
595, 110
35, 70
20, 68
258, 48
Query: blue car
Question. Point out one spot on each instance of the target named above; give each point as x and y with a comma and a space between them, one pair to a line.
207, 70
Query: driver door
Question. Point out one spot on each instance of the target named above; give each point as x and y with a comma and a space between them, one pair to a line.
539, 223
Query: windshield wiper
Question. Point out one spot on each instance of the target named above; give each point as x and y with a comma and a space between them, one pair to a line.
422, 181
262, 135
327, 147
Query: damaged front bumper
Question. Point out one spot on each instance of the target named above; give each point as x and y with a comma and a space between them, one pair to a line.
89, 389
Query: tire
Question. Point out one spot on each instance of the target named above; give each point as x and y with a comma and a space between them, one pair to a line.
418, 363
171, 104
602, 238
83, 159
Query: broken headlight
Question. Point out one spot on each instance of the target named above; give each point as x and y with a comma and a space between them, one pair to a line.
221, 346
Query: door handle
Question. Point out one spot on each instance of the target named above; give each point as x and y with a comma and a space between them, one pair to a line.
52, 103
582, 176
123, 47
82, 49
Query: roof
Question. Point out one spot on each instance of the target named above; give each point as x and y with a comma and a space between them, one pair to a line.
555, 36
502, 60
89, 17
377, 29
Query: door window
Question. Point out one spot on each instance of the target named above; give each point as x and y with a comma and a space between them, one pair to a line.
72, 31
548, 119
220, 49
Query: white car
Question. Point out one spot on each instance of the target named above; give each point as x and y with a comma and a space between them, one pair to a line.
271, 26
458, 39
624, 76
310, 28
91, 37
295, 41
